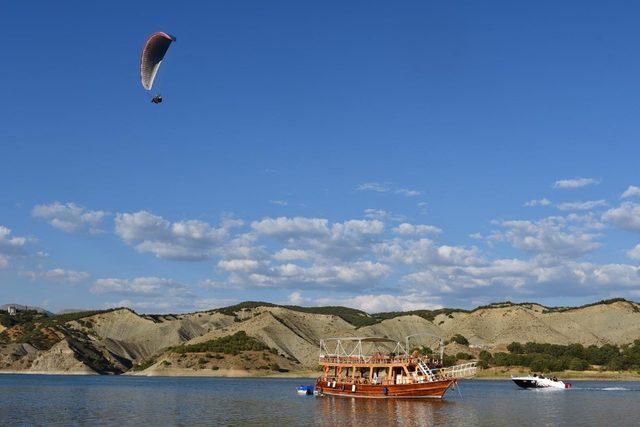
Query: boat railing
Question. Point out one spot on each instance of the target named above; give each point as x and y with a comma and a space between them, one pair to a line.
464, 370
374, 359
357, 381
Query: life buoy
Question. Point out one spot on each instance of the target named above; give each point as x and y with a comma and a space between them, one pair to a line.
353, 388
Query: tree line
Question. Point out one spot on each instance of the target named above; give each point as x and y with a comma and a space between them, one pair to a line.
543, 357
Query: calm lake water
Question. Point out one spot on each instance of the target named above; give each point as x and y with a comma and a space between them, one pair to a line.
69, 400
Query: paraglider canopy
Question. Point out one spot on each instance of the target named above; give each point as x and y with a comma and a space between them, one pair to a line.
153, 53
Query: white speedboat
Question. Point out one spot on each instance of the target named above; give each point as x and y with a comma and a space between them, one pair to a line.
539, 381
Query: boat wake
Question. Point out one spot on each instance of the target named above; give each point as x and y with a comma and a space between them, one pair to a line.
606, 388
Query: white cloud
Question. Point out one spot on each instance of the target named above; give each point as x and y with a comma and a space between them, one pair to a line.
171, 305
296, 298
542, 275
411, 229
374, 266
407, 192
383, 215
244, 245
190, 240
385, 187
632, 191
557, 236
319, 275
340, 239
292, 255
279, 202
424, 252
59, 275
69, 217
634, 253
309, 253
538, 202
374, 186
239, 265
218, 285
378, 303
581, 206
570, 184
291, 227
10, 246
625, 216
386, 303
146, 286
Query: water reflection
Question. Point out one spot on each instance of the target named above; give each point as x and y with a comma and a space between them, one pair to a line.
333, 410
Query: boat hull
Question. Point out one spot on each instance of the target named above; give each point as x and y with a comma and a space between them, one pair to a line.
426, 390
526, 383
536, 382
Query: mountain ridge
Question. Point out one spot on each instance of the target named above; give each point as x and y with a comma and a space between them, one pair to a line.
119, 340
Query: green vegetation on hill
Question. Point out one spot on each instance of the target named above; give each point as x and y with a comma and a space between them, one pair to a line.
247, 305
357, 318
459, 339
38, 329
601, 302
429, 315
231, 344
575, 357
20, 317
59, 319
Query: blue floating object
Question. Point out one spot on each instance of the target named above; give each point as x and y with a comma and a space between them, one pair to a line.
305, 389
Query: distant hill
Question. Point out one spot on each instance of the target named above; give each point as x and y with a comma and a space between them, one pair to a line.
120, 340
25, 307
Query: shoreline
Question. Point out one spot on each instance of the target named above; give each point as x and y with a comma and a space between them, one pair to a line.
222, 373
71, 373
621, 376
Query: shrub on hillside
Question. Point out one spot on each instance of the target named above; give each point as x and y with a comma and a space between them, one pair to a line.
459, 339
231, 344
516, 348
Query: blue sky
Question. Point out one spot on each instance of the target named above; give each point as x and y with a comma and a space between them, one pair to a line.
374, 155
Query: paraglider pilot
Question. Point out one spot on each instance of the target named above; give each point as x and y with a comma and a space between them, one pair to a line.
156, 99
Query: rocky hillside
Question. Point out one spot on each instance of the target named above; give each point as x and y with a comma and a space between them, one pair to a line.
266, 338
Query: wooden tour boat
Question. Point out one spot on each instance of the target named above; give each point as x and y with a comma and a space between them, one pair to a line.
351, 372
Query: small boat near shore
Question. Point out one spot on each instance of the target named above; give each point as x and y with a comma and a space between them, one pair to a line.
349, 371
539, 381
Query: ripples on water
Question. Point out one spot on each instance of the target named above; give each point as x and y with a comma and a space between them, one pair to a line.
47, 400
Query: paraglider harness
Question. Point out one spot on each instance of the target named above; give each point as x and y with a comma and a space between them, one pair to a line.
157, 99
